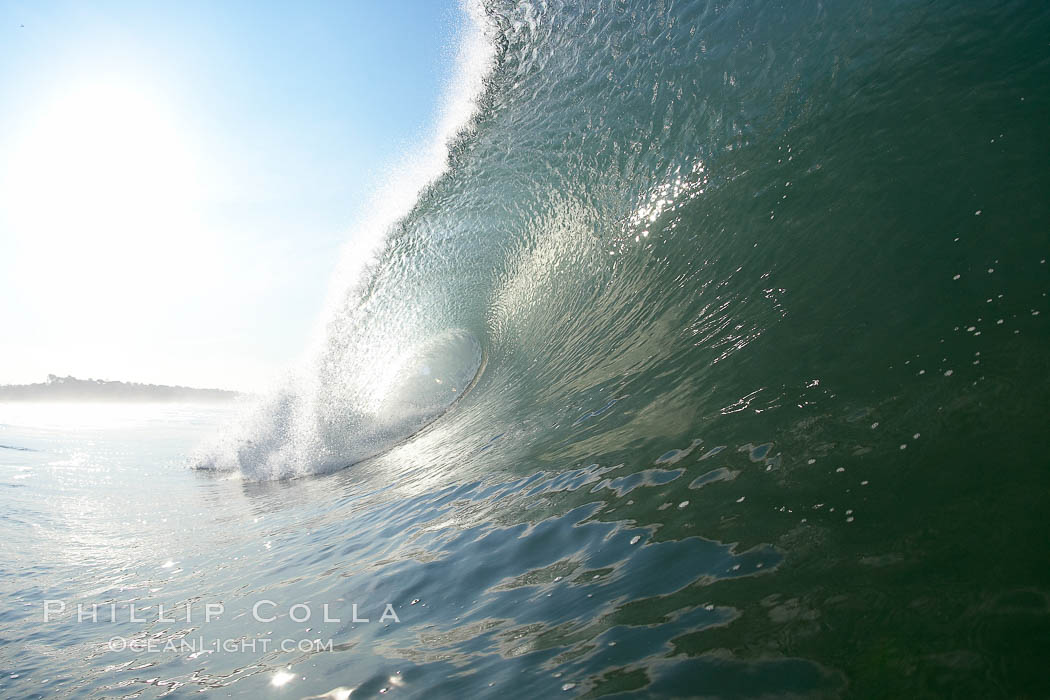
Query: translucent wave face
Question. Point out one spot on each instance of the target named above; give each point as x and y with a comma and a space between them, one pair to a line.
430, 378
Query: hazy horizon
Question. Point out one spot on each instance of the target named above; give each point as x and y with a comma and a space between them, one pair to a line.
109, 380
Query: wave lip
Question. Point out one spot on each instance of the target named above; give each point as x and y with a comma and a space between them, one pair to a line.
370, 383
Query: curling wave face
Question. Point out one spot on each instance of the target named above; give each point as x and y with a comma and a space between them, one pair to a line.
713, 272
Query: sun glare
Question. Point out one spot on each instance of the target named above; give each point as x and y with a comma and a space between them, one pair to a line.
97, 158
100, 145
98, 194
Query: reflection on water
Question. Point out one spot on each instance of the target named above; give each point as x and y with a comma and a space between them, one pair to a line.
483, 574
591, 580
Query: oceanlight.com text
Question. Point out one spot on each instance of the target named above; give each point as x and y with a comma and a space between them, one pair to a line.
200, 645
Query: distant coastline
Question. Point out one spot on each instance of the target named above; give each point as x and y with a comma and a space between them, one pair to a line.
73, 389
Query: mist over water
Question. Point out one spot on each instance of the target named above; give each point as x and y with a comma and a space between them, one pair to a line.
709, 360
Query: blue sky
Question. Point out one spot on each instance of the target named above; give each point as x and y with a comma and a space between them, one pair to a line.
177, 179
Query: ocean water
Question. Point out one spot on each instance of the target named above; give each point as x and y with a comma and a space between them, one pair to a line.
711, 360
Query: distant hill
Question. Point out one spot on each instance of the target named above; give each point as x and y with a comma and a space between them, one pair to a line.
73, 389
